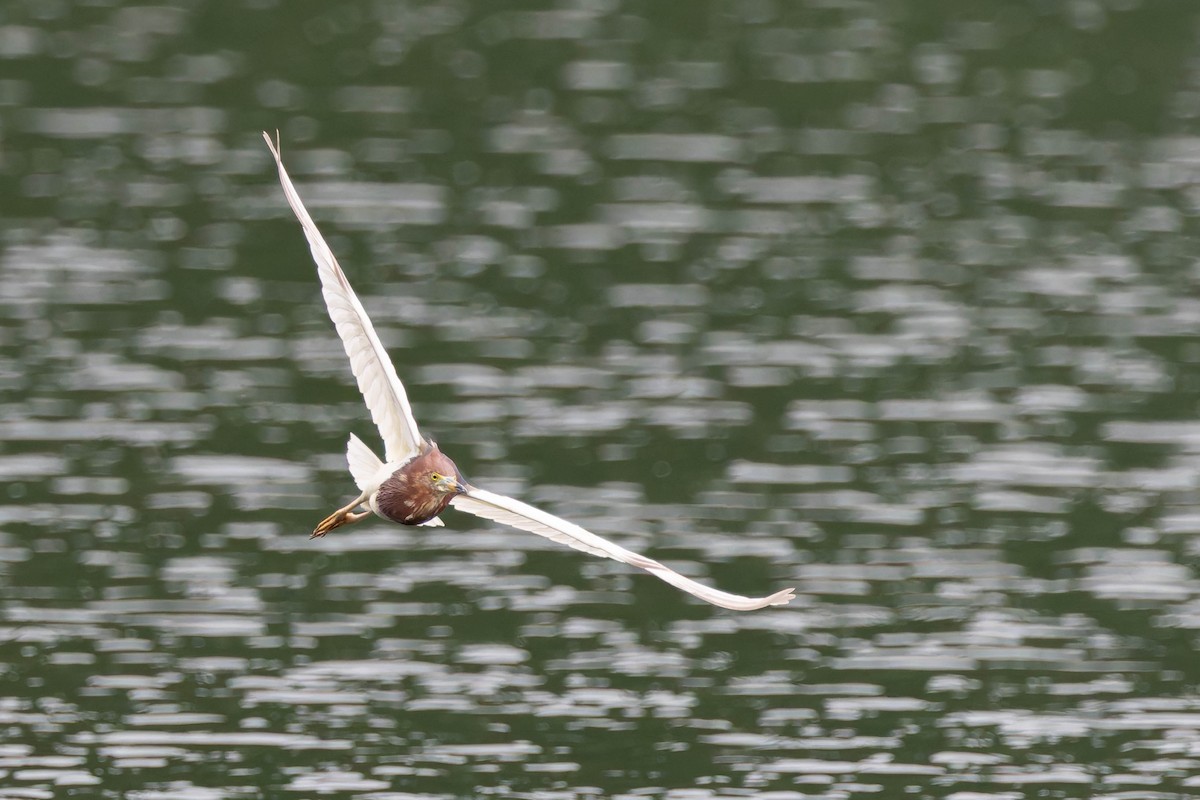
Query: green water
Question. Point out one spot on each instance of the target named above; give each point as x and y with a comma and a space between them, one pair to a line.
892, 302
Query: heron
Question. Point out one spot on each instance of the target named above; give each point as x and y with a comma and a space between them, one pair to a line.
415, 481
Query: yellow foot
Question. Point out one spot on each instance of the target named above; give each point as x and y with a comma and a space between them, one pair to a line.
336, 520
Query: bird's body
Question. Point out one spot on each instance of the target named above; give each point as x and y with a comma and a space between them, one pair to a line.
407, 496
417, 482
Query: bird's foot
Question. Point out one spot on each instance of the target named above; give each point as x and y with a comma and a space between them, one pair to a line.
336, 520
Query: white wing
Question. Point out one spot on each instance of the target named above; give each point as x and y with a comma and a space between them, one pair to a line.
508, 511
377, 379
364, 465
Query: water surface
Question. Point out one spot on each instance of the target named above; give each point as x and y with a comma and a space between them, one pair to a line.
895, 305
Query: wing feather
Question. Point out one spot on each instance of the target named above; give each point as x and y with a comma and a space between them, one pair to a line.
364, 465
377, 380
522, 516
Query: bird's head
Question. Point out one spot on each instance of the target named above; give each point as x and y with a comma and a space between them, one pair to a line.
441, 474
446, 484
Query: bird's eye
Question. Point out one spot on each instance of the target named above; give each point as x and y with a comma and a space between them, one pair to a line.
435, 476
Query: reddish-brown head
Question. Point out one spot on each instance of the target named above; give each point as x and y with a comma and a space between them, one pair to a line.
421, 489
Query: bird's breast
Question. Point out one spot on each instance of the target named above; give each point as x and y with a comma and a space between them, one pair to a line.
410, 503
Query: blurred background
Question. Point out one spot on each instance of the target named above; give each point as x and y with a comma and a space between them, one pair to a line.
894, 302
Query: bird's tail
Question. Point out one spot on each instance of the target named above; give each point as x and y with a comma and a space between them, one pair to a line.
362, 462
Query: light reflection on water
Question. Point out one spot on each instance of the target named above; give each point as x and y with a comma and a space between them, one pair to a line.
780, 295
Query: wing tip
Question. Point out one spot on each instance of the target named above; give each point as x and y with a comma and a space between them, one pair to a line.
781, 598
737, 603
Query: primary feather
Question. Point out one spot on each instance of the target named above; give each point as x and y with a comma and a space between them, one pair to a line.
377, 380
522, 516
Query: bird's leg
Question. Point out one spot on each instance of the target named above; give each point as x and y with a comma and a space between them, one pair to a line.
343, 516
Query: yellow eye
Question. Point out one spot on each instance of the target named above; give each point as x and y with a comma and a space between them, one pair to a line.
435, 476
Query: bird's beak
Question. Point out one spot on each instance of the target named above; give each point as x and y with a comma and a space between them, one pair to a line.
451, 485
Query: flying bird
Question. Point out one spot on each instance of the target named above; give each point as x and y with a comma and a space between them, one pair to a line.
416, 481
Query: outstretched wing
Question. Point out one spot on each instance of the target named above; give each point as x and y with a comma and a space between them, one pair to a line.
377, 380
508, 511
